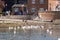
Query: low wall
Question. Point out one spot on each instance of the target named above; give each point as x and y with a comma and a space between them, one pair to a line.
49, 15
26, 17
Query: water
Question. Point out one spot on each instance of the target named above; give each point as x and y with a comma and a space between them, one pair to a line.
31, 34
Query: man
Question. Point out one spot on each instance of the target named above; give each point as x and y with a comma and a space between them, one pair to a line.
2, 5
9, 4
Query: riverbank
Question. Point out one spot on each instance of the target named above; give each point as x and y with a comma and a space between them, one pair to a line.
15, 23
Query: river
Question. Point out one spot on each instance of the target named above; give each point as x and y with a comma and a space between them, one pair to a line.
25, 34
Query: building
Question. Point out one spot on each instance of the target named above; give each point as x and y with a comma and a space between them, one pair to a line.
22, 1
43, 5
53, 5
35, 5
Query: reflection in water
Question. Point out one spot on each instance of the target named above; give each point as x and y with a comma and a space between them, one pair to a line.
24, 34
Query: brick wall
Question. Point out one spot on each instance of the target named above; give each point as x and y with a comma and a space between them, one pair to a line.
53, 15
46, 16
